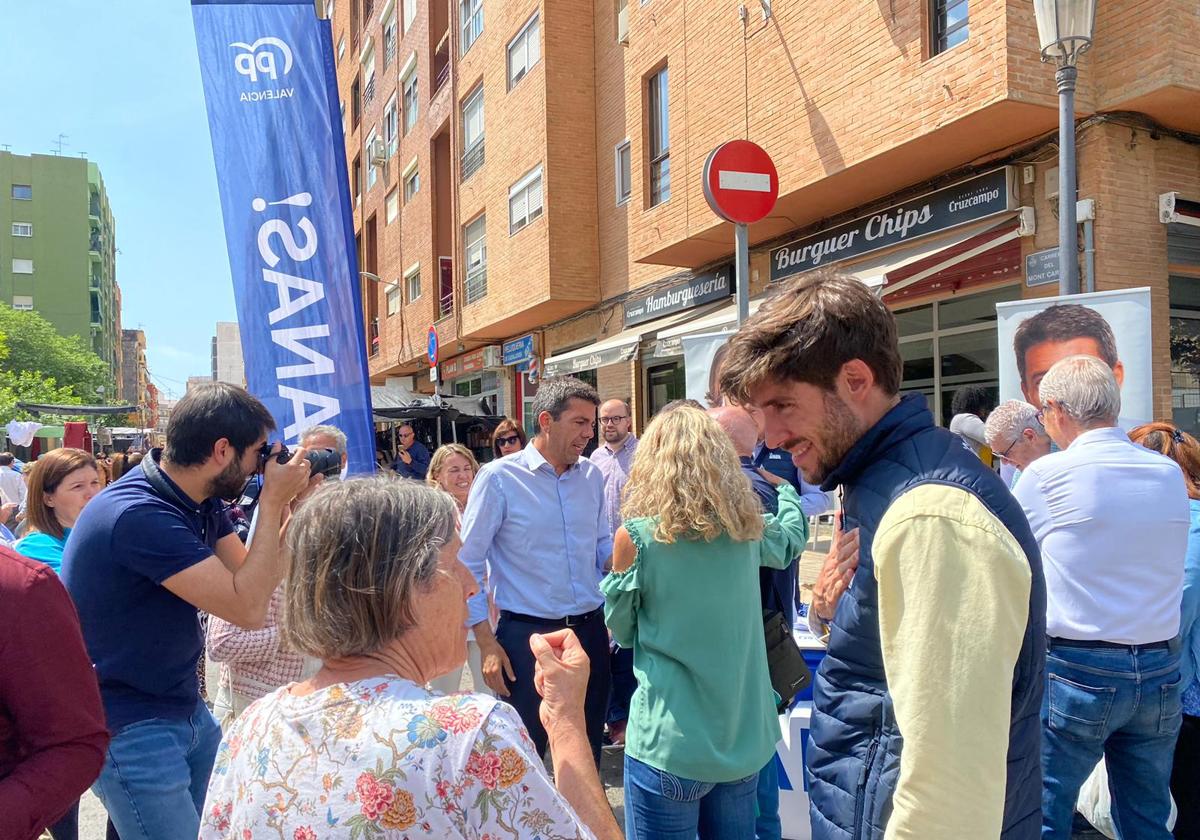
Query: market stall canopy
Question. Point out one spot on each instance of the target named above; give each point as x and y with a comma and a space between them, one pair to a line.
392, 402
43, 408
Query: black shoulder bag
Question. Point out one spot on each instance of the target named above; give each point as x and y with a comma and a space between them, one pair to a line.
789, 671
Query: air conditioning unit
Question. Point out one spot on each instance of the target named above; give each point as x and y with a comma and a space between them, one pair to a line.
492, 357
378, 151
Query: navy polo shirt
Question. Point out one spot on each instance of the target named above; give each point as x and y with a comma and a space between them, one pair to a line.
776, 585
143, 640
778, 462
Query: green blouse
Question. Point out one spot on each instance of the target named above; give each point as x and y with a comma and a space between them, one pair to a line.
691, 610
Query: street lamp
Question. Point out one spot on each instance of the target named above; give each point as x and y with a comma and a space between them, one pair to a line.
1065, 30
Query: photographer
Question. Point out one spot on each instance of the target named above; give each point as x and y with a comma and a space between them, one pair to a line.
254, 662
143, 557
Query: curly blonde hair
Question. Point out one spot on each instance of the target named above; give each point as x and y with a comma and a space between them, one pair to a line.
687, 474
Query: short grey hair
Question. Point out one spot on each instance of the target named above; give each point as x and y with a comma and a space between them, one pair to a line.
359, 553
1008, 420
1084, 388
555, 393
339, 437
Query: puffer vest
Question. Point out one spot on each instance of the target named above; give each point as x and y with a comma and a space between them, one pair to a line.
855, 747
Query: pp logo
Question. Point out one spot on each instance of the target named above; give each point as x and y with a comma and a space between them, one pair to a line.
259, 58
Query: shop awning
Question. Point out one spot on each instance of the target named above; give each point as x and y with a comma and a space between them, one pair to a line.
946, 250
622, 347
724, 319
874, 271
980, 257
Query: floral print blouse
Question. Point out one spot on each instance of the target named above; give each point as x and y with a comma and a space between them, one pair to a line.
382, 758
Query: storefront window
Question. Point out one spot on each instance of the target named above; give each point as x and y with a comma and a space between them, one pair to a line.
973, 309
1185, 353
951, 343
919, 319
485, 385
663, 384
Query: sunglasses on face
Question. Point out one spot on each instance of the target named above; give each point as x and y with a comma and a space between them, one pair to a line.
508, 441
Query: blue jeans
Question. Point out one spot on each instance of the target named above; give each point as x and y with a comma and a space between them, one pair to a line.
767, 825
1124, 705
663, 806
156, 773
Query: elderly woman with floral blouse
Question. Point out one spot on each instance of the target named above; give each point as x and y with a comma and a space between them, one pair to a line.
362, 749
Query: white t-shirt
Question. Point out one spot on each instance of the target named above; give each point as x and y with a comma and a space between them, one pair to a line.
12, 486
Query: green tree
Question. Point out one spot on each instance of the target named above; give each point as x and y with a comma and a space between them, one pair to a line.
39, 365
28, 386
34, 346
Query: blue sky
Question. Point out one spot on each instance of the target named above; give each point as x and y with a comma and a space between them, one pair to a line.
122, 80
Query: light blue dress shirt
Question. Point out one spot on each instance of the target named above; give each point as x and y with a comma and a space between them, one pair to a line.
615, 467
1114, 570
543, 537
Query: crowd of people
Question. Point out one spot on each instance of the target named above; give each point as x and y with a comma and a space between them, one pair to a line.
992, 645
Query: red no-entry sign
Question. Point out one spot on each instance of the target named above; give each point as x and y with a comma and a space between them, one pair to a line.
740, 182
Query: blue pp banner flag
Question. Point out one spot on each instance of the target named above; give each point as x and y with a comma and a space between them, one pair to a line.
271, 91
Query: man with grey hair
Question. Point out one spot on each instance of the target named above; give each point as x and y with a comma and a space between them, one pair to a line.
326, 437
1014, 434
536, 522
1114, 579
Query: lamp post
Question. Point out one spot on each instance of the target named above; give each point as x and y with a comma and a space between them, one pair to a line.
1065, 31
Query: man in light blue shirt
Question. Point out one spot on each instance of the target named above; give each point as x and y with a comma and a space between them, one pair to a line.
1114, 584
537, 522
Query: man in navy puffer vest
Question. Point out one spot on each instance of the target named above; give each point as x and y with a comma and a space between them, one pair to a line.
926, 709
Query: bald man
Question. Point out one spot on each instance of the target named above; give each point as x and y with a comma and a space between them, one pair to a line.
743, 432
615, 456
412, 460
615, 459
777, 586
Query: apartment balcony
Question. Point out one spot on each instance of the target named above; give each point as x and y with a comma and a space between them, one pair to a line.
476, 285
445, 287
441, 63
472, 159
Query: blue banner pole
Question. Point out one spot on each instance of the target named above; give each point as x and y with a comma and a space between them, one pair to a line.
271, 93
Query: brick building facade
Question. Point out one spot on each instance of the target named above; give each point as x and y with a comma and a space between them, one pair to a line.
559, 147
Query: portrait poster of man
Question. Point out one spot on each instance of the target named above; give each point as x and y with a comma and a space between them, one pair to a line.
702, 356
1113, 326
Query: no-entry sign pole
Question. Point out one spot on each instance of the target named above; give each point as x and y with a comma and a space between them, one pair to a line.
741, 185
741, 239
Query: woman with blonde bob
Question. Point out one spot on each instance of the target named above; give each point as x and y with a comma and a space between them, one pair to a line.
452, 468
684, 594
